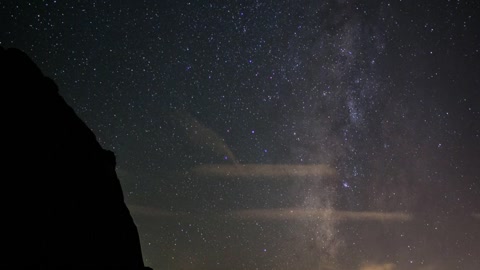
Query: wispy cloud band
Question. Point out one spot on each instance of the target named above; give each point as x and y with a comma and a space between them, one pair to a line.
265, 171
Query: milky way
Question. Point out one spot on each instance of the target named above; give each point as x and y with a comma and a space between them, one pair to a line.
278, 134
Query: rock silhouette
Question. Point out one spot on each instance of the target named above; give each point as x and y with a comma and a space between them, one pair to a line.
63, 206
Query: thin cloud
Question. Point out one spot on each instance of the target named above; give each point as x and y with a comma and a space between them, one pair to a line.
328, 215
200, 135
138, 210
266, 171
321, 214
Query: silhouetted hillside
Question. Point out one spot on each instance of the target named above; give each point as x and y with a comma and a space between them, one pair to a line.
62, 202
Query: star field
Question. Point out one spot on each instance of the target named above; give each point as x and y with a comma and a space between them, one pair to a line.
278, 134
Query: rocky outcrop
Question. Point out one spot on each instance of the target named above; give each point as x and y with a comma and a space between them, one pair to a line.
63, 203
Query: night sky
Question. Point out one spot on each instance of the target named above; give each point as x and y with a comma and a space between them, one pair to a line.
278, 134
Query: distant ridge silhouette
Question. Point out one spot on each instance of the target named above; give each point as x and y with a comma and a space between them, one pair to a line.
62, 203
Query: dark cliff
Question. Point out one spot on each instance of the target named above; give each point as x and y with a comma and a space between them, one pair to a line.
62, 202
